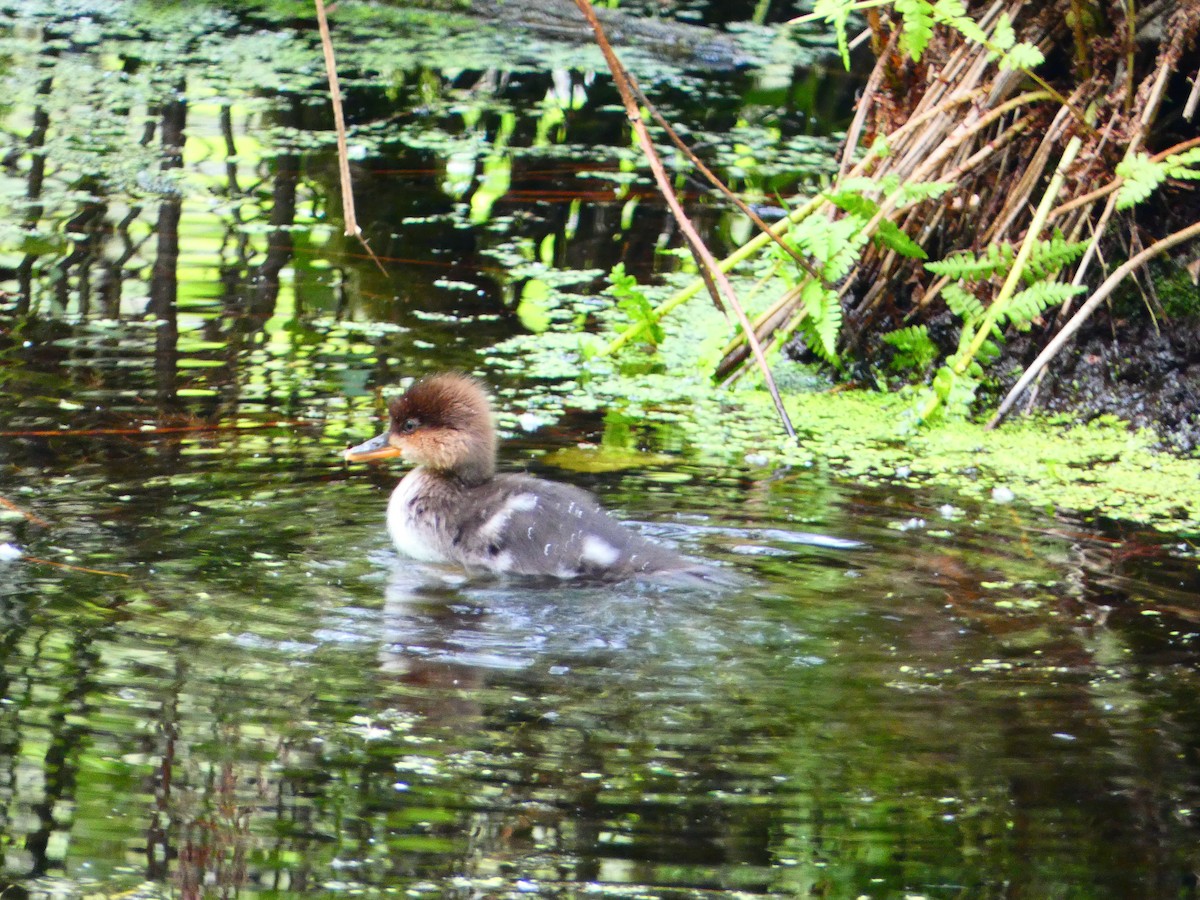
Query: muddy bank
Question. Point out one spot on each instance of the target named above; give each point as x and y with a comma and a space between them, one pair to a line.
1145, 372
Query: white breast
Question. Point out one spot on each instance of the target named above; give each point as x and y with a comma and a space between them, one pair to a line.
412, 537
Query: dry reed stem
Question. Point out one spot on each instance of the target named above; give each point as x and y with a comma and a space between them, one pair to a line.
854, 132
1189, 108
1034, 172
1154, 98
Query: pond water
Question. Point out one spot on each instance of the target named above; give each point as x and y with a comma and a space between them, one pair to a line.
217, 676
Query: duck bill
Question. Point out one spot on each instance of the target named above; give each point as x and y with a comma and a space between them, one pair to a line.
376, 448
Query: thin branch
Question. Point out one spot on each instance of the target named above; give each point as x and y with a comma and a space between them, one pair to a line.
339, 122
703, 254
58, 565
716, 182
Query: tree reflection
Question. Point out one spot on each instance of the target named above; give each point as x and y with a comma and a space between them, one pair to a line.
164, 277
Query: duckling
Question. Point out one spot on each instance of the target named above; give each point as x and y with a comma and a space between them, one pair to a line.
454, 507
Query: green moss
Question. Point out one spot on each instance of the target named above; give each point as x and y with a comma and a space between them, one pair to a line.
1176, 290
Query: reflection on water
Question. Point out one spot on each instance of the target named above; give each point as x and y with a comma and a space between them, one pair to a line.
275, 700
216, 677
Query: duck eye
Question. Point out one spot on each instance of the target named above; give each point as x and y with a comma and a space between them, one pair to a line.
409, 426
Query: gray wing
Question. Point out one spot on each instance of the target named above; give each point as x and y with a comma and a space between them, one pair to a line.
546, 528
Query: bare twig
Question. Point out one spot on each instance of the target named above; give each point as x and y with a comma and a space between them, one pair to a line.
703, 254
58, 565
339, 121
716, 182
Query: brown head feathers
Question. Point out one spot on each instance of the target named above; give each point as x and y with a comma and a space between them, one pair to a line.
445, 422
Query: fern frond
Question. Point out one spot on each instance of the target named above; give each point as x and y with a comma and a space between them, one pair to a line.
1184, 165
836, 13
822, 321
1003, 36
1030, 303
974, 267
1142, 176
835, 245
914, 348
1022, 56
917, 16
954, 14
892, 236
853, 201
963, 304
915, 192
1049, 256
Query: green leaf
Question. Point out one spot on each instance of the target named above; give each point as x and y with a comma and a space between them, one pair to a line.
859, 185
1047, 257
917, 30
836, 13
887, 233
833, 244
963, 304
1027, 305
1142, 176
943, 382
914, 348
1022, 56
822, 321
987, 353
916, 191
853, 202
1184, 165
890, 235
1003, 35
954, 14
632, 301
974, 267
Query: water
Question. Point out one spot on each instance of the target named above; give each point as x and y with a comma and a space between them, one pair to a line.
217, 676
